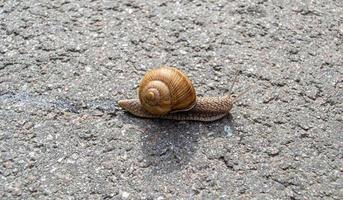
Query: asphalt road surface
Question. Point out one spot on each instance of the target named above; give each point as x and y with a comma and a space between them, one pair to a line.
64, 64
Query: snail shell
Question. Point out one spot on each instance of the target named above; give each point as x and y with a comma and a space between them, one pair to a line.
166, 89
167, 93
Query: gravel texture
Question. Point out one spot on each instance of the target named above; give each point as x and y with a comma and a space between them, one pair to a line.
64, 64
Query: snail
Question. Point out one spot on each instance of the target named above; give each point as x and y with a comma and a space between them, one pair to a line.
167, 93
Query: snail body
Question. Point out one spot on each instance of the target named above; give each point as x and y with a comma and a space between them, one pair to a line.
206, 109
167, 93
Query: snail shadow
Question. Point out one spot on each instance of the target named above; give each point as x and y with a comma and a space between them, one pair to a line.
169, 145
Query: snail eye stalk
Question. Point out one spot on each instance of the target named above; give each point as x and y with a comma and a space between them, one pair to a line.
241, 94
233, 83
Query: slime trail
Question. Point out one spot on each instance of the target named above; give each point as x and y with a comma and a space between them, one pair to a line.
26, 100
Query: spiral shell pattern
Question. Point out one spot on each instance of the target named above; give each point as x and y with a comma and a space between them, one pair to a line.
166, 89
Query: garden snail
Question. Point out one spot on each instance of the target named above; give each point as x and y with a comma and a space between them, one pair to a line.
167, 93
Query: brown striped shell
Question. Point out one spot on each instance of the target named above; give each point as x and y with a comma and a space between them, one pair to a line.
166, 89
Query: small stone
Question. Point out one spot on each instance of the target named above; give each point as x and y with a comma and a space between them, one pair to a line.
304, 135
51, 115
16, 190
97, 113
7, 164
312, 93
273, 151
88, 69
228, 131
183, 52
211, 85
49, 137
305, 125
125, 195
28, 125
217, 68
210, 134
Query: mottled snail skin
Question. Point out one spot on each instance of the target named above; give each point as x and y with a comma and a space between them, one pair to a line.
206, 109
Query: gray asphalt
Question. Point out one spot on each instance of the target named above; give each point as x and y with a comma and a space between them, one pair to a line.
64, 64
